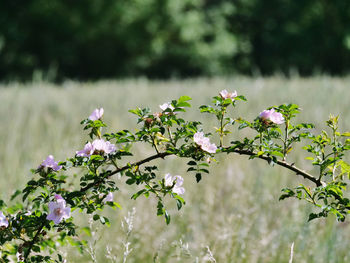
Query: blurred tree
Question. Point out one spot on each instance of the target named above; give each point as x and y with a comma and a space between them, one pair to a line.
86, 39
101, 39
282, 34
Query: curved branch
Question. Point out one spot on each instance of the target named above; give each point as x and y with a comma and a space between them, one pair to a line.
31, 244
151, 158
284, 164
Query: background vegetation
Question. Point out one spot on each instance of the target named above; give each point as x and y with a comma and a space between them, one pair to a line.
234, 211
86, 40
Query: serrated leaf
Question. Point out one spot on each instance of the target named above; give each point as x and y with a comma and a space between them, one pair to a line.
184, 98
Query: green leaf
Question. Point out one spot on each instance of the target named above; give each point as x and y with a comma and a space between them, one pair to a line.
277, 154
136, 195
160, 208
179, 204
178, 109
241, 97
345, 167
36, 248
205, 108
259, 153
130, 181
313, 216
15, 194
198, 177
287, 193
86, 230
183, 104
137, 111
96, 158
105, 221
167, 217
184, 98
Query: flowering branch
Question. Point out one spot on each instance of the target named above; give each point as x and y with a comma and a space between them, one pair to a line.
51, 196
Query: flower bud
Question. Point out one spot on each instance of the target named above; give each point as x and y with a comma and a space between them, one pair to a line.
149, 122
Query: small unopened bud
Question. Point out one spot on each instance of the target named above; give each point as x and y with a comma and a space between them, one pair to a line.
148, 122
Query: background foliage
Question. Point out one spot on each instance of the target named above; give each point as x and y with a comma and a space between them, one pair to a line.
164, 38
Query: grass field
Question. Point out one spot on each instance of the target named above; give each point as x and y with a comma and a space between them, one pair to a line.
232, 215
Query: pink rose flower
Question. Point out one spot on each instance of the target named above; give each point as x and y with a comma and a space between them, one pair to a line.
204, 142
209, 147
3, 220
57, 197
272, 115
104, 146
87, 151
108, 198
49, 162
96, 114
199, 138
165, 106
58, 210
227, 95
28, 213
169, 181
98, 145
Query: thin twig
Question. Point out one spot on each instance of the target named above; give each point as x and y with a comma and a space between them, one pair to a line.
284, 164
151, 158
31, 244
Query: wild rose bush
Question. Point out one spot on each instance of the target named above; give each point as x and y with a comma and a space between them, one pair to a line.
40, 218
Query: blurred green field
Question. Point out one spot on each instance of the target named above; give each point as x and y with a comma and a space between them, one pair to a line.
232, 215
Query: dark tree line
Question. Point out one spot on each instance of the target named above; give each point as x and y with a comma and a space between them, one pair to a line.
89, 39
